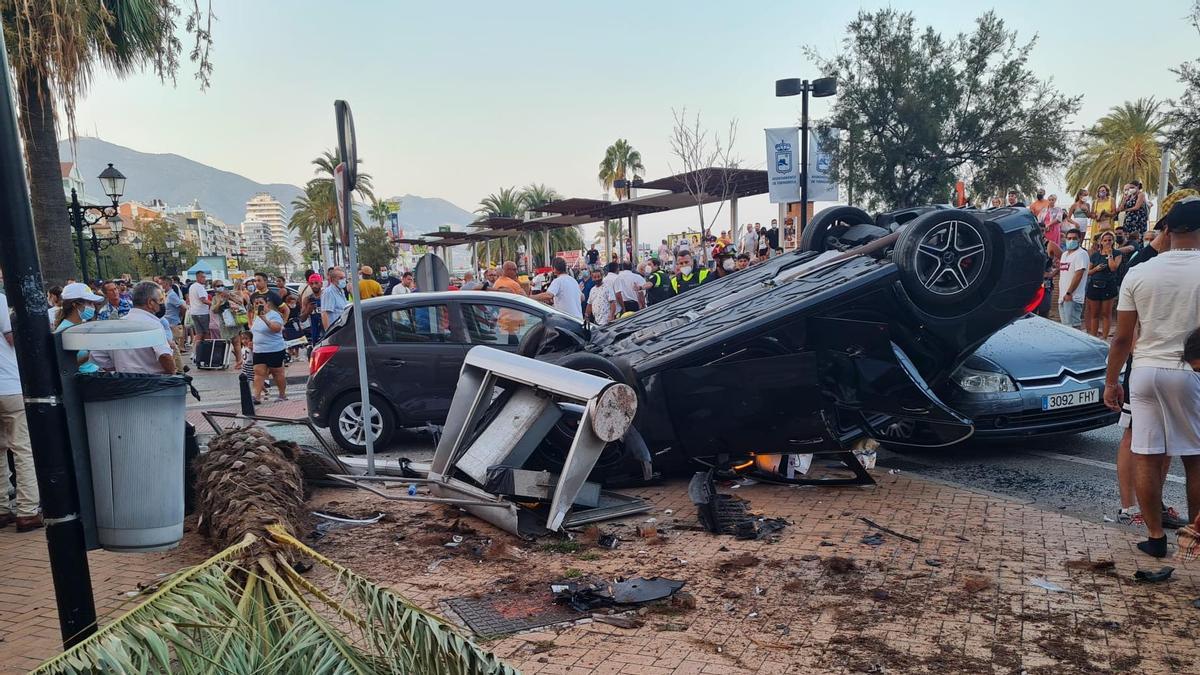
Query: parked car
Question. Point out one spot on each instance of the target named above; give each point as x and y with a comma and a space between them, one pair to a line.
1035, 377
415, 345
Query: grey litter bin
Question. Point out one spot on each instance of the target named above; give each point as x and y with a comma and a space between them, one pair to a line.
135, 434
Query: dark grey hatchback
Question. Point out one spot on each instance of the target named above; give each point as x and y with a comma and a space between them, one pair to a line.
415, 346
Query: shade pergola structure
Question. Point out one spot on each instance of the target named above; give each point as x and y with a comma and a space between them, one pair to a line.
452, 238
684, 190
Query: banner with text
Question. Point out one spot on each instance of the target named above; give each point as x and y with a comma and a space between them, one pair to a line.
783, 164
822, 187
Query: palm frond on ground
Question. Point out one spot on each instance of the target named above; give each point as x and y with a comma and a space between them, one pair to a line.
247, 610
1123, 146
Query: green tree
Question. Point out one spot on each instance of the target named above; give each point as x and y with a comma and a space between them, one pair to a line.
1185, 123
924, 110
157, 235
536, 194
278, 257
507, 203
54, 50
315, 213
1122, 146
620, 161
380, 211
375, 247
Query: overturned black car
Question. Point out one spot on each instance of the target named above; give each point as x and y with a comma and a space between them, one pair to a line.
815, 349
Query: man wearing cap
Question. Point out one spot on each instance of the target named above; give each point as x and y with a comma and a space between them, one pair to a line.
14, 435
1157, 306
367, 286
310, 307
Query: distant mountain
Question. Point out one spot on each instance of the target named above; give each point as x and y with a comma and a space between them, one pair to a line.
178, 180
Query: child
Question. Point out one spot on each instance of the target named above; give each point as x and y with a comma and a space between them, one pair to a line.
247, 341
1191, 350
292, 329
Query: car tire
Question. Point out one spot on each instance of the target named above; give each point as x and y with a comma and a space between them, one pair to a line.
342, 414
831, 222
946, 259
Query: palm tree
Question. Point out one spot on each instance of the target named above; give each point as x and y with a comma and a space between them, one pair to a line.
507, 203
246, 610
380, 211
54, 49
536, 194
278, 257
620, 161
1121, 147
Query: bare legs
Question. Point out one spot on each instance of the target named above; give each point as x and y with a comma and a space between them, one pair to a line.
1105, 315
260, 376
280, 376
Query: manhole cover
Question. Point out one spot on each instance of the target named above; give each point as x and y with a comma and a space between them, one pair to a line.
504, 613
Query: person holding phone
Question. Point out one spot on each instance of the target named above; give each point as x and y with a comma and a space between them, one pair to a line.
266, 324
1102, 286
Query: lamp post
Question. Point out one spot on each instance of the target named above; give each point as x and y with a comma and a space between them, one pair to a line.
629, 186
154, 255
85, 215
820, 88
98, 243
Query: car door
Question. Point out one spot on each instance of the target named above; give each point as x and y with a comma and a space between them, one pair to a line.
498, 324
418, 352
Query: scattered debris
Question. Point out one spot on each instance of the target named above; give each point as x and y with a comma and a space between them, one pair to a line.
880, 595
672, 626
873, 539
727, 514
1047, 585
587, 596
839, 565
809, 557
1148, 577
740, 561
647, 531
889, 530
733, 595
1103, 566
607, 541
827, 543
1109, 520
976, 583
620, 621
933, 562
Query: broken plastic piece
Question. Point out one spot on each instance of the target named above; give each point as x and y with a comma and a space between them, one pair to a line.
1160, 576
1047, 585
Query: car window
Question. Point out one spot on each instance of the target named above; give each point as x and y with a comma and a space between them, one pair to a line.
426, 323
488, 324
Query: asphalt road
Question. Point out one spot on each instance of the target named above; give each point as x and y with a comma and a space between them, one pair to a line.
1076, 474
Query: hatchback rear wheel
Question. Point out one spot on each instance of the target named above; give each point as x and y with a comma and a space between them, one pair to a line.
346, 424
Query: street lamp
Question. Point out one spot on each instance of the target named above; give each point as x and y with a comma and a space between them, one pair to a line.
154, 255
83, 215
115, 225
820, 88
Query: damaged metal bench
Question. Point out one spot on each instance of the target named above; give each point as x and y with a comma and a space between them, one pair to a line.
503, 408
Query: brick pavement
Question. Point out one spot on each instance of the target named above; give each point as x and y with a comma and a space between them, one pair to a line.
959, 601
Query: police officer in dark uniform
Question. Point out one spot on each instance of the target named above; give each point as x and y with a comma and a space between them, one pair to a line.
658, 283
687, 277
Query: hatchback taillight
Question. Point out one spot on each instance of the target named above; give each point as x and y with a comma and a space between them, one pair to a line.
320, 356
1036, 301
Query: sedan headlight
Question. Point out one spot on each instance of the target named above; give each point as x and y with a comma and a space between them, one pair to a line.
983, 382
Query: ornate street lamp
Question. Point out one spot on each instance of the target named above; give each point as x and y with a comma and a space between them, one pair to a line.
85, 215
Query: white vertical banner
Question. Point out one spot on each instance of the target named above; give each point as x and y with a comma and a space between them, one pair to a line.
822, 187
783, 164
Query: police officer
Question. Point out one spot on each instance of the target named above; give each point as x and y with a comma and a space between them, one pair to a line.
686, 277
658, 283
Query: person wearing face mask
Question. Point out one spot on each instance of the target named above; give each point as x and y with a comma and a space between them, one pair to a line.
78, 306
1135, 208
658, 282
725, 265
1040, 203
686, 276
1078, 212
333, 298
1072, 279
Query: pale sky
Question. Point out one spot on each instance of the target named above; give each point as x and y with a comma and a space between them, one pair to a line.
457, 99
